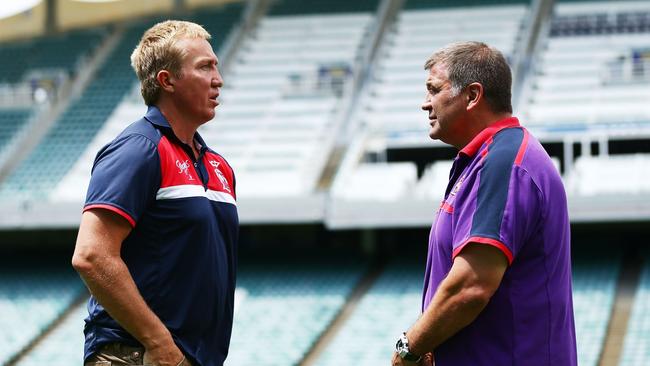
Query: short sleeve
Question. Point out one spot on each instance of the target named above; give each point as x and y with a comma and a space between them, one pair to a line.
503, 208
125, 177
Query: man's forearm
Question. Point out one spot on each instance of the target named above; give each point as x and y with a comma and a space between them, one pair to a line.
450, 311
474, 277
110, 282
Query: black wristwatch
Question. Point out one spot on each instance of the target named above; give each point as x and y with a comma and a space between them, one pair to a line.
402, 349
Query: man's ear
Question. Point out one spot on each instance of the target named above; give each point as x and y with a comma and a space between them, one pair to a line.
474, 95
165, 80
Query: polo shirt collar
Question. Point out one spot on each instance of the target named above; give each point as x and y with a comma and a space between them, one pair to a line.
156, 117
472, 148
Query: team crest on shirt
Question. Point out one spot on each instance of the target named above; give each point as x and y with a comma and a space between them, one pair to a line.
457, 186
183, 167
222, 178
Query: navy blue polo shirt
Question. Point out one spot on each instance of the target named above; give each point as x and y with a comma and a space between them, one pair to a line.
182, 251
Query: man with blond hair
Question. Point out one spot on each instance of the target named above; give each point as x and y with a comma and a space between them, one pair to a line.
497, 286
157, 243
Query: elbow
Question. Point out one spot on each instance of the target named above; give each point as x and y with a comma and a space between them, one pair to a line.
476, 297
82, 262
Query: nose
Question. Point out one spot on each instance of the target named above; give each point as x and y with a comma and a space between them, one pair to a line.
217, 81
426, 105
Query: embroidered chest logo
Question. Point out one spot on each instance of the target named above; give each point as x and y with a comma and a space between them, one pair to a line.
183, 167
222, 178
457, 186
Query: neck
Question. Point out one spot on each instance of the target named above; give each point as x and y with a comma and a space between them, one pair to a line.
478, 123
183, 129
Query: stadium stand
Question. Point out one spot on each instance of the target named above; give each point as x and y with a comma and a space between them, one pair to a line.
601, 175
434, 180
61, 147
11, 122
303, 296
594, 289
396, 90
303, 7
376, 321
636, 347
389, 114
32, 296
286, 90
71, 188
593, 68
21, 57
64, 346
280, 101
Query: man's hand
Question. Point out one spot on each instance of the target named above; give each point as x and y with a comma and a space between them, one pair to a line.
427, 360
164, 356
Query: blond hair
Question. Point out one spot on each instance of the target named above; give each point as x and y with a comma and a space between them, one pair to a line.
158, 51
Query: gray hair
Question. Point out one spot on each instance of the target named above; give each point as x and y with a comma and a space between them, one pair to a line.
476, 62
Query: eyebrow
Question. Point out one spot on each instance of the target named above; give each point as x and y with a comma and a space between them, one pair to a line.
208, 59
432, 84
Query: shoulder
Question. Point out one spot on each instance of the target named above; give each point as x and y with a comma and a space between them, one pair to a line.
137, 142
507, 143
141, 129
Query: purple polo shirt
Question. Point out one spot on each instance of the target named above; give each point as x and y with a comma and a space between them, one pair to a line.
505, 192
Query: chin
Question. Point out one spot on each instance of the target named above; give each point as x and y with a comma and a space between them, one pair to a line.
209, 116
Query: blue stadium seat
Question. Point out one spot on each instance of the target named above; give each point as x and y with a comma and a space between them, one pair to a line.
594, 290
31, 298
390, 307
636, 345
11, 121
285, 307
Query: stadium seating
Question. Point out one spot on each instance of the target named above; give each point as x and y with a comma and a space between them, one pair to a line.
11, 121
591, 70
388, 112
279, 107
610, 175
72, 186
302, 7
434, 180
64, 345
286, 87
594, 288
636, 346
393, 96
47, 165
302, 297
67, 139
390, 306
17, 58
379, 181
424, 4
31, 298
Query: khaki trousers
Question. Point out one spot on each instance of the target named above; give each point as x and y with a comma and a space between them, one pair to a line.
117, 354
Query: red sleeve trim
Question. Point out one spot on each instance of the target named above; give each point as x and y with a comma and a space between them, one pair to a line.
489, 241
114, 209
522, 149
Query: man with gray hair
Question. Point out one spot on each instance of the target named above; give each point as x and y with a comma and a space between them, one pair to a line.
497, 286
157, 243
